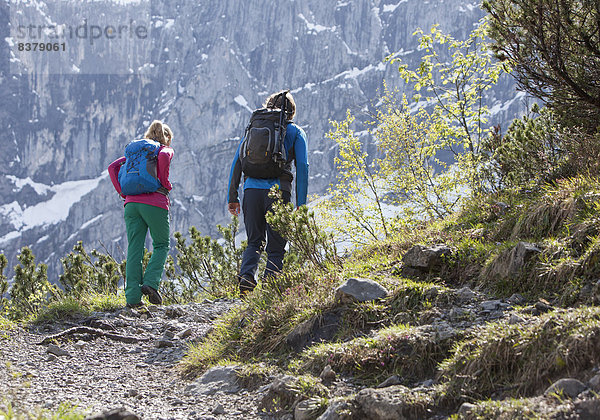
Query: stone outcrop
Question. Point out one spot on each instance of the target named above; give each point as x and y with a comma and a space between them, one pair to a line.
318, 328
568, 387
421, 259
360, 290
218, 379
509, 264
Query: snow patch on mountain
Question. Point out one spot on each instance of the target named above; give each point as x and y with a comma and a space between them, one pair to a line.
84, 226
505, 106
49, 212
353, 73
39, 188
241, 101
390, 8
315, 27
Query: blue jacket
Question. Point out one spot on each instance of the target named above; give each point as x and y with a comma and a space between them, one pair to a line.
295, 138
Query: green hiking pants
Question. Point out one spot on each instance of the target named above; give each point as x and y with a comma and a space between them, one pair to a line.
139, 218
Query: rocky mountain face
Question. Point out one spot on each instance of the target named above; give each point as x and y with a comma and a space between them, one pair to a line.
203, 67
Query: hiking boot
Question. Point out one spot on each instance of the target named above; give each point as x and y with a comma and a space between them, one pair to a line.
138, 310
153, 295
246, 285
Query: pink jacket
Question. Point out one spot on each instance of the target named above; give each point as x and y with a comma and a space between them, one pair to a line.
165, 154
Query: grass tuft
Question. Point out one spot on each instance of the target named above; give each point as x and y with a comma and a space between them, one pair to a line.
284, 395
522, 359
409, 352
254, 375
65, 411
6, 324
261, 324
66, 308
105, 302
219, 346
524, 408
71, 306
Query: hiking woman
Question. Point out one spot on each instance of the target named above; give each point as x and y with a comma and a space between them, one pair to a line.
143, 212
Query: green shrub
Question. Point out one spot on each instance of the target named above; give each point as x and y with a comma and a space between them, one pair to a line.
3, 281
31, 290
205, 266
299, 227
531, 152
85, 273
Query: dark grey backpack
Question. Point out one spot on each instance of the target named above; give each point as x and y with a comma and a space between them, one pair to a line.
262, 153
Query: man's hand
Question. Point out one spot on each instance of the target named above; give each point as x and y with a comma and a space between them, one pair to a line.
234, 208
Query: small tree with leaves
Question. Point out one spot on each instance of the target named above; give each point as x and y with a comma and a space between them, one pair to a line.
447, 117
421, 183
357, 196
454, 90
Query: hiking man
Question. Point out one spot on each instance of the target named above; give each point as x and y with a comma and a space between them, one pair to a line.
256, 200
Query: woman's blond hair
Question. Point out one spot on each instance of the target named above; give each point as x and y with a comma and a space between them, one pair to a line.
157, 132
274, 101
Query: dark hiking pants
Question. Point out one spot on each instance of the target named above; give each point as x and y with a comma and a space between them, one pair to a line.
256, 204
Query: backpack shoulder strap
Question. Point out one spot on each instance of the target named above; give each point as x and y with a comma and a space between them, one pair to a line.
291, 154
